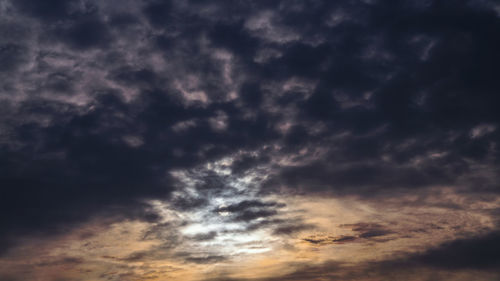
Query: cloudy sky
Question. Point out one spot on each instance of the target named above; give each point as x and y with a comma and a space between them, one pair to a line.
249, 140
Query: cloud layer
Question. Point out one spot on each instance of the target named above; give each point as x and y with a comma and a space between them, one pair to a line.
206, 121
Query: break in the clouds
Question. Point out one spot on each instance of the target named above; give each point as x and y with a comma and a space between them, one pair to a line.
249, 140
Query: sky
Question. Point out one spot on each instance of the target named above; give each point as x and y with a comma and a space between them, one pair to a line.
249, 140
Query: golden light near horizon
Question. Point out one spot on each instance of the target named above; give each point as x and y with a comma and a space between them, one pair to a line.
174, 247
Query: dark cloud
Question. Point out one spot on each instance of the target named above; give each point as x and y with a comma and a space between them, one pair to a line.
249, 210
331, 240
85, 33
368, 230
321, 176
12, 56
49, 11
201, 258
78, 171
136, 256
371, 231
99, 106
246, 162
59, 83
250, 215
291, 228
204, 236
159, 13
206, 260
187, 203
249, 204
481, 253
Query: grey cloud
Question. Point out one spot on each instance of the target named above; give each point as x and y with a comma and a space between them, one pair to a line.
62, 261
372, 232
205, 236
202, 258
291, 227
206, 260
